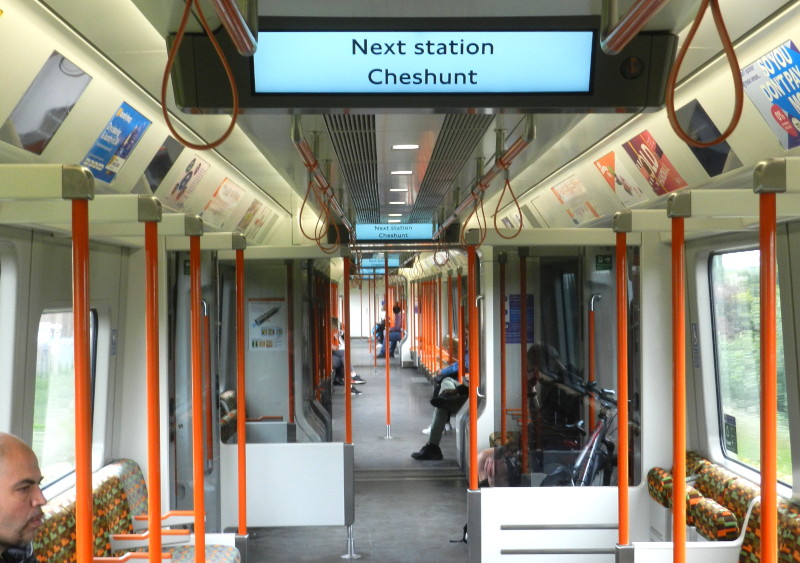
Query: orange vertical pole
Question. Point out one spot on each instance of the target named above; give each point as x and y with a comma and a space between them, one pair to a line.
622, 386
386, 346
424, 321
450, 312
348, 407
678, 394
474, 366
769, 390
361, 308
374, 288
503, 406
523, 351
197, 402
241, 390
152, 383
83, 400
289, 334
438, 319
461, 333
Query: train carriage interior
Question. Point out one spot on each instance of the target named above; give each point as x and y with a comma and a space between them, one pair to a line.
402, 281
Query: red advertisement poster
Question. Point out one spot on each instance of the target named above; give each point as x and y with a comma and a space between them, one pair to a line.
653, 164
619, 179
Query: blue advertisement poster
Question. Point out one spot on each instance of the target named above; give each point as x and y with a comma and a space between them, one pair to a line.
773, 85
513, 319
116, 142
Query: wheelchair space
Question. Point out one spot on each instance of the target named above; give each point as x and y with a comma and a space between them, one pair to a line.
406, 510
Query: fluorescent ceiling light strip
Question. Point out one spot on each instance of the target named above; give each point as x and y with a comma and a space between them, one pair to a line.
401, 172
398, 189
397, 203
404, 147
395, 214
393, 221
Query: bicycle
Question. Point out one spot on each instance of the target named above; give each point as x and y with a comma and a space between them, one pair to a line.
598, 452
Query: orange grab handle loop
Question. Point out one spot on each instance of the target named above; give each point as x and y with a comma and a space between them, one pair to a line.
730, 54
168, 69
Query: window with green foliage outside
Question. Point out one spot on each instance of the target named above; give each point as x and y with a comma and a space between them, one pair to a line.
54, 396
735, 297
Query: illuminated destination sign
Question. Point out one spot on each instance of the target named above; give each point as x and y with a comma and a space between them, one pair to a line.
535, 64
398, 232
378, 262
423, 62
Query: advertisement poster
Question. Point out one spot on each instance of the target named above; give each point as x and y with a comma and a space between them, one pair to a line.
45, 105
619, 179
161, 163
267, 323
584, 211
115, 144
698, 125
773, 85
570, 188
513, 319
512, 220
654, 165
253, 220
183, 188
222, 203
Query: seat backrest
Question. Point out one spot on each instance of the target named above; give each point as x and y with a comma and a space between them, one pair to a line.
55, 539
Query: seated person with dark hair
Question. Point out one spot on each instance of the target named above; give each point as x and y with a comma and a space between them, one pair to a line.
377, 331
395, 332
450, 399
337, 361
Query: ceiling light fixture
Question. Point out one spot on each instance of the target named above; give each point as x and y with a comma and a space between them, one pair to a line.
397, 203
405, 147
393, 221
398, 189
395, 214
401, 172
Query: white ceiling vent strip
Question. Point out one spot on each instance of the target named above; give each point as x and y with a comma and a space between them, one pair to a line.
457, 139
353, 138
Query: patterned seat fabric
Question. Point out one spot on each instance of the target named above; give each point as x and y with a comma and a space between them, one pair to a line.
713, 521
227, 401
659, 485
695, 463
713, 480
119, 492
227, 426
55, 539
215, 553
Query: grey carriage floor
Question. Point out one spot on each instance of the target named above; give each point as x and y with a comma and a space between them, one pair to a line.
406, 510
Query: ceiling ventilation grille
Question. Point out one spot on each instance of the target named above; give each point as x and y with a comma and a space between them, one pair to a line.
457, 139
353, 138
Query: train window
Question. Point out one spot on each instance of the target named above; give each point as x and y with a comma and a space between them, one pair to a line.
54, 395
735, 297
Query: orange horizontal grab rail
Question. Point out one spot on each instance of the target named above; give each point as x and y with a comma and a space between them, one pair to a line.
170, 518
129, 556
146, 534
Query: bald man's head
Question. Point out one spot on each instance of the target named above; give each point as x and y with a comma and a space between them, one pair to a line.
21, 499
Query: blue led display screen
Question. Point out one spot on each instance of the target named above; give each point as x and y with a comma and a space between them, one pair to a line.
423, 62
409, 231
